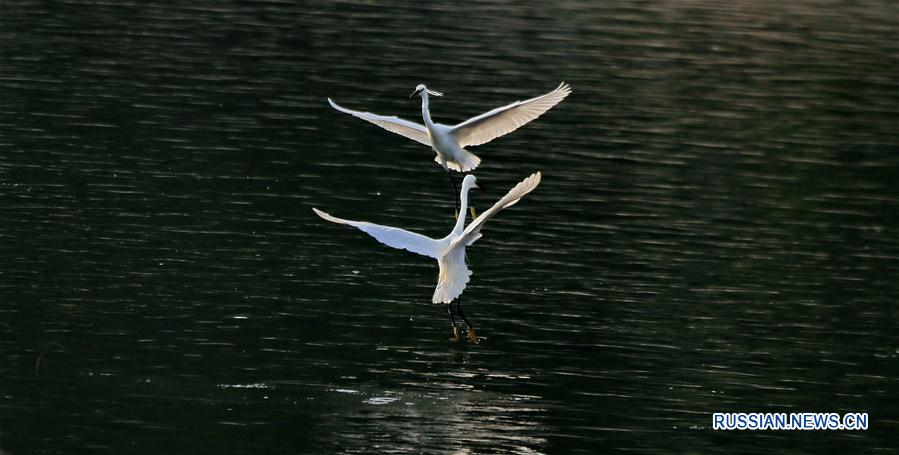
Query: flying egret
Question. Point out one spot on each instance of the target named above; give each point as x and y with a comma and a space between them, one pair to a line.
449, 141
450, 250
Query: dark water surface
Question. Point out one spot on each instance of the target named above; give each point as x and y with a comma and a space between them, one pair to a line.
716, 229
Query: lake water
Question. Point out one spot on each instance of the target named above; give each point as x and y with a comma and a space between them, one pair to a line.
716, 229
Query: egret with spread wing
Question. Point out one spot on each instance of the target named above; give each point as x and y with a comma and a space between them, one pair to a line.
450, 250
449, 141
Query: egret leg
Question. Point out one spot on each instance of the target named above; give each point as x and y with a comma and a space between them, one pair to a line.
449, 309
455, 190
472, 337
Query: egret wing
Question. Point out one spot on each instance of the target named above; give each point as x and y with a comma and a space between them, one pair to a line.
411, 130
472, 232
504, 120
391, 236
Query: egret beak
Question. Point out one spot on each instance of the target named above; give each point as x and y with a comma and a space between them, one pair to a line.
414, 93
480, 187
431, 92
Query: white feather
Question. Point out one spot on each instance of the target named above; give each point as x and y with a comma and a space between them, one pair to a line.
473, 231
453, 277
503, 120
393, 124
391, 236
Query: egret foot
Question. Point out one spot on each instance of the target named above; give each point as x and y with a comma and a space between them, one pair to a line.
455, 337
473, 213
472, 337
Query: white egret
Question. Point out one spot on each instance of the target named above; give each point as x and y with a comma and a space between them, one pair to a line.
449, 141
450, 250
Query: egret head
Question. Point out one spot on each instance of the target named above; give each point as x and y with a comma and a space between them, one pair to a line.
469, 182
420, 90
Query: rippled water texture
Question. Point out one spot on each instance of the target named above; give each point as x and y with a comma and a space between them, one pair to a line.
716, 229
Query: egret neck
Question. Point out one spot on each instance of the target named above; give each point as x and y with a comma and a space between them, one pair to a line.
463, 207
425, 113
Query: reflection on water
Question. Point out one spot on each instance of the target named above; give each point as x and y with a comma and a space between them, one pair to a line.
715, 230
470, 420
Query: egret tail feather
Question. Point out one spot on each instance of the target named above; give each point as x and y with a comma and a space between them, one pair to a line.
453, 277
467, 163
